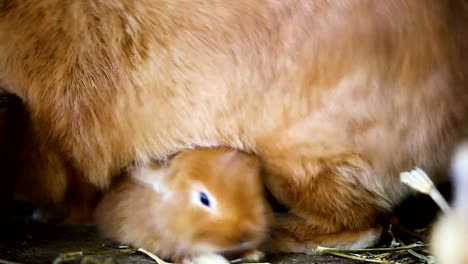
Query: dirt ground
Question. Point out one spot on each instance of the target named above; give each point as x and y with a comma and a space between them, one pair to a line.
25, 241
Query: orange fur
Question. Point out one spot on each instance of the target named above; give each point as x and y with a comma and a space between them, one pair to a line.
335, 98
158, 208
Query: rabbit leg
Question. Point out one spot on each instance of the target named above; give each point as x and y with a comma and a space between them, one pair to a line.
334, 199
291, 233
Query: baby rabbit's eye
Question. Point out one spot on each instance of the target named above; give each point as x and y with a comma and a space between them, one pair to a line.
204, 199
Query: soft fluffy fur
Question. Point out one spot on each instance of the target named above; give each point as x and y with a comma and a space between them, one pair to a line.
158, 208
335, 98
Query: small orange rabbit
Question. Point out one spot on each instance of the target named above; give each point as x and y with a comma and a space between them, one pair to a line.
202, 201
335, 98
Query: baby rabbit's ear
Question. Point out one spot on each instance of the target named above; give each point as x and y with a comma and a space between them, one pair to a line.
154, 177
235, 158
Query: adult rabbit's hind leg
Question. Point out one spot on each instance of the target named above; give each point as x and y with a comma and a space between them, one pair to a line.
292, 233
330, 194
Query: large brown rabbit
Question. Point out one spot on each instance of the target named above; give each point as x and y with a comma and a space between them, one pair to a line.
334, 97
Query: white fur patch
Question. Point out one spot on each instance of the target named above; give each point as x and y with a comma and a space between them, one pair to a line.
460, 177
154, 179
460, 164
210, 259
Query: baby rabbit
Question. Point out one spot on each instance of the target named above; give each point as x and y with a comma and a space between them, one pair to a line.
335, 98
450, 235
203, 201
